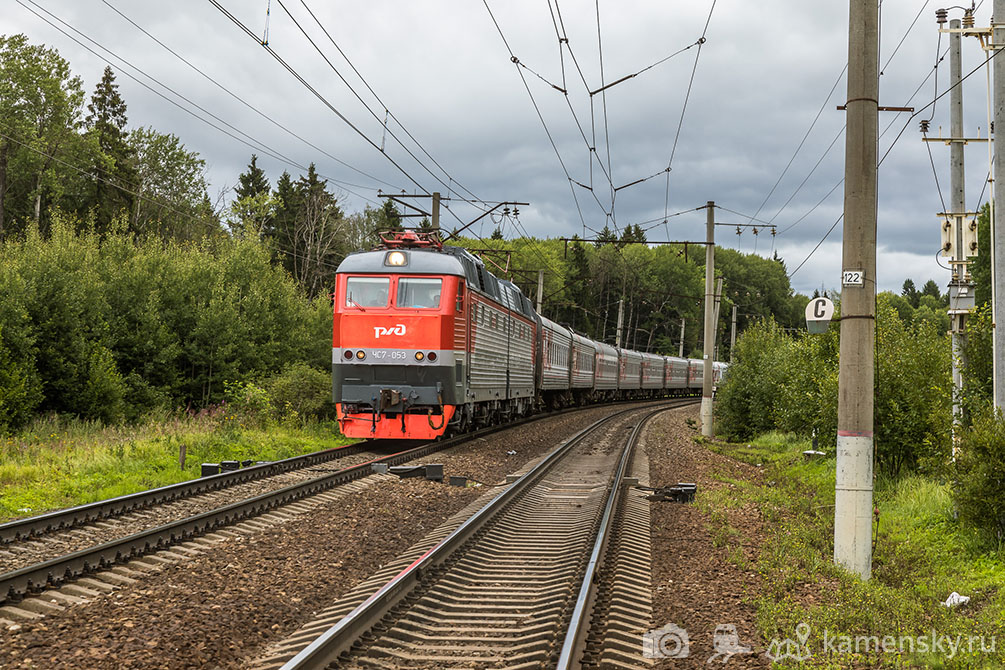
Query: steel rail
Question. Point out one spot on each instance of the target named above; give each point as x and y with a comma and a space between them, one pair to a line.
340, 637
19, 583
55, 571
579, 627
71, 517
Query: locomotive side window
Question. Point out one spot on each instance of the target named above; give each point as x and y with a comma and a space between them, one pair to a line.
367, 291
419, 292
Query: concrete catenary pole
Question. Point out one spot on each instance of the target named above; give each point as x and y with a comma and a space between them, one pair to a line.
681, 352
621, 320
732, 335
708, 342
715, 319
960, 277
998, 225
436, 211
540, 289
853, 488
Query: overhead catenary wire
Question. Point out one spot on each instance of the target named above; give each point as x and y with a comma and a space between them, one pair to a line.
296, 75
683, 111
894, 143
248, 105
250, 141
171, 207
372, 92
539, 114
802, 142
939, 58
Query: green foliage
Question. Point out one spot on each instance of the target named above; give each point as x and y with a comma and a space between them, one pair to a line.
57, 462
980, 475
790, 383
301, 393
40, 111
922, 554
172, 183
113, 162
109, 328
913, 406
747, 400
977, 349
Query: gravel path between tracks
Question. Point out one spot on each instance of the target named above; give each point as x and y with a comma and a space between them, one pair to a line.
698, 582
224, 606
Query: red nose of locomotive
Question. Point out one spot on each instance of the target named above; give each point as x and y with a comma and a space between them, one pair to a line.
395, 370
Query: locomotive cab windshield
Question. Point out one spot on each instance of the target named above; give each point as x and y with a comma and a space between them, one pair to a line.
394, 361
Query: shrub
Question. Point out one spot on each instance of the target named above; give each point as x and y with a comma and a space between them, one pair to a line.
980, 474
111, 327
301, 392
790, 383
747, 398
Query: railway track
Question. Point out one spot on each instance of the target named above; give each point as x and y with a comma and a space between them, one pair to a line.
52, 550
552, 571
38, 539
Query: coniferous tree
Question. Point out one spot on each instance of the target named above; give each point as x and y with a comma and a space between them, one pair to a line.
605, 236
279, 228
388, 217
114, 175
910, 292
253, 181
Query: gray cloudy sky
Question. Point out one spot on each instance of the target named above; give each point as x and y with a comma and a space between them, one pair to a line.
443, 71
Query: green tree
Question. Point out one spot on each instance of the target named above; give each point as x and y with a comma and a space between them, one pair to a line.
605, 236
40, 108
315, 241
910, 292
170, 185
388, 217
114, 174
253, 181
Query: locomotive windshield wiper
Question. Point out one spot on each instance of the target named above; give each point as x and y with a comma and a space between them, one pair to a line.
350, 299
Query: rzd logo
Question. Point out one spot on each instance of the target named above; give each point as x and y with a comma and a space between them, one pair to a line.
398, 329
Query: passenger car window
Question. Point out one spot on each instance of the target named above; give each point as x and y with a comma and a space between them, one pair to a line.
419, 292
367, 291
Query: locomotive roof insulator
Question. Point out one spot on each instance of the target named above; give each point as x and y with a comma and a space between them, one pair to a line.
409, 239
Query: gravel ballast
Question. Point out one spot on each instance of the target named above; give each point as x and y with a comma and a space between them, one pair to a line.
225, 605
698, 585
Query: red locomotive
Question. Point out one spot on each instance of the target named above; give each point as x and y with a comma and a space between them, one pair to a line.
425, 338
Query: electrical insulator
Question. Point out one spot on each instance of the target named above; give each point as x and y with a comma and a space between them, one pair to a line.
968, 19
924, 126
941, 16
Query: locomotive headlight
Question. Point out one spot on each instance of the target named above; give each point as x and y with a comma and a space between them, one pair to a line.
419, 356
360, 354
396, 258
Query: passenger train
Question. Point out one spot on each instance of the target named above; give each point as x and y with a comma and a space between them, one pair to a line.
426, 340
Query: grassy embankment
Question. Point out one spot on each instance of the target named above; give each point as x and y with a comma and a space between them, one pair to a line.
922, 554
60, 463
